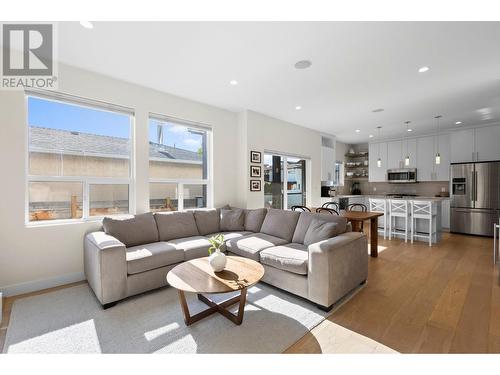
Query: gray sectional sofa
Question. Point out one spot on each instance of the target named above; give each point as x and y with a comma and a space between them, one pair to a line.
314, 256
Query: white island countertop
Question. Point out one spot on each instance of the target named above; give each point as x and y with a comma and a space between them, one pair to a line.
418, 197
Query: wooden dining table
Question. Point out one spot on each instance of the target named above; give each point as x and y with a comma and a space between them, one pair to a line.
356, 218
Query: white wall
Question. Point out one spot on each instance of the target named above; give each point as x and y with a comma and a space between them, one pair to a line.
340, 151
54, 253
265, 133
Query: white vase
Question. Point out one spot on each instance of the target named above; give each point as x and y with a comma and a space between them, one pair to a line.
217, 260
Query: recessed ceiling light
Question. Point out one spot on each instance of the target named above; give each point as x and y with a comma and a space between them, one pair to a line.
458, 122
378, 110
370, 136
303, 64
409, 129
357, 130
298, 108
233, 82
87, 24
423, 69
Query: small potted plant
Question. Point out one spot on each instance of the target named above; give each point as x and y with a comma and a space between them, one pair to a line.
216, 258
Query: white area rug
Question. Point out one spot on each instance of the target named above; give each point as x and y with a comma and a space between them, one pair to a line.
72, 321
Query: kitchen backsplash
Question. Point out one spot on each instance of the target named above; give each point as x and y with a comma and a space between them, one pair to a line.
421, 188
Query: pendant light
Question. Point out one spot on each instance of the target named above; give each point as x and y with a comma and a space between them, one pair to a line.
407, 158
379, 161
438, 155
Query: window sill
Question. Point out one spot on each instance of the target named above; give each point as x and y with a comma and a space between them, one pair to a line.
52, 223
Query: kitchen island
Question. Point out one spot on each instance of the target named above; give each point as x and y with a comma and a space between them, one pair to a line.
442, 207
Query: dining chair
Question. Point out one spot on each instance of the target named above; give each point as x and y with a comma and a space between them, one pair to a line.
358, 207
333, 205
329, 210
300, 208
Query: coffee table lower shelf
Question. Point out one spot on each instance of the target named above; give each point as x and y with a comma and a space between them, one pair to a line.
221, 308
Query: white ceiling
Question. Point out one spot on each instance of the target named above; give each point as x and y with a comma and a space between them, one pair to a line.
356, 67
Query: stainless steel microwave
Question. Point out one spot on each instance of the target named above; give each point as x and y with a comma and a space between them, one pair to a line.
402, 176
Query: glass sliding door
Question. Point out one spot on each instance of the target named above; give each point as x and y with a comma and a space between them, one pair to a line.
296, 182
273, 181
284, 181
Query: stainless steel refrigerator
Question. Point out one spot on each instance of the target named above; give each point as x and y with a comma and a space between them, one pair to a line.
475, 197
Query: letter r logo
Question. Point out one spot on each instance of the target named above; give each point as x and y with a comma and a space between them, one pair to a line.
27, 50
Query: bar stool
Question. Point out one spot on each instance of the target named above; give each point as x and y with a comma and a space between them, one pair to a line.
424, 210
380, 205
399, 208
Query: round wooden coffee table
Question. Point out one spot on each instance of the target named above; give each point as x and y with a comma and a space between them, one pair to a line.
196, 276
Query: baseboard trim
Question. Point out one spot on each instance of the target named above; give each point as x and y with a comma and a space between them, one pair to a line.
36, 285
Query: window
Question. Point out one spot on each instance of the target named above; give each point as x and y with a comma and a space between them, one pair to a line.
284, 189
79, 161
178, 165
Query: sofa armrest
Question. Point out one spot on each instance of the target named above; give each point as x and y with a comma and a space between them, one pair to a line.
337, 266
105, 266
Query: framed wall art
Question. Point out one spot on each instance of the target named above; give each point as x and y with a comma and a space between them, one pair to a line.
255, 157
255, 171
255, 185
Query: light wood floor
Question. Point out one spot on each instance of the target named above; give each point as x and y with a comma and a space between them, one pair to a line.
418, 299
421, 299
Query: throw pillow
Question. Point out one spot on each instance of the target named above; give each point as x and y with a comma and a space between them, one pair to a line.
254, 219
319, 230
132, 231
232, 220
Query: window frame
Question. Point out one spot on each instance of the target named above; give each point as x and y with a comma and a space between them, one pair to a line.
208, 182
85, 180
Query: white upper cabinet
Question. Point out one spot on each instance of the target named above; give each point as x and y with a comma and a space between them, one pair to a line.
462, 146
479, 144
487, 143
422, 152
397, 152
425, 158
327, 163
376, 174
410, 149
427, 147
442, 171
394, 155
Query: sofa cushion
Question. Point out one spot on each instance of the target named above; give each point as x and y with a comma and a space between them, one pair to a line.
254, 219
207, 221
232, 220
230, 235
291, 257
306, 218
280, 223
173, 225
193, 247
319, 230
250, 246
150, 256
132, 230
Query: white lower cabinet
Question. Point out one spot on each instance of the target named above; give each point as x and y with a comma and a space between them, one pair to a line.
445, 213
